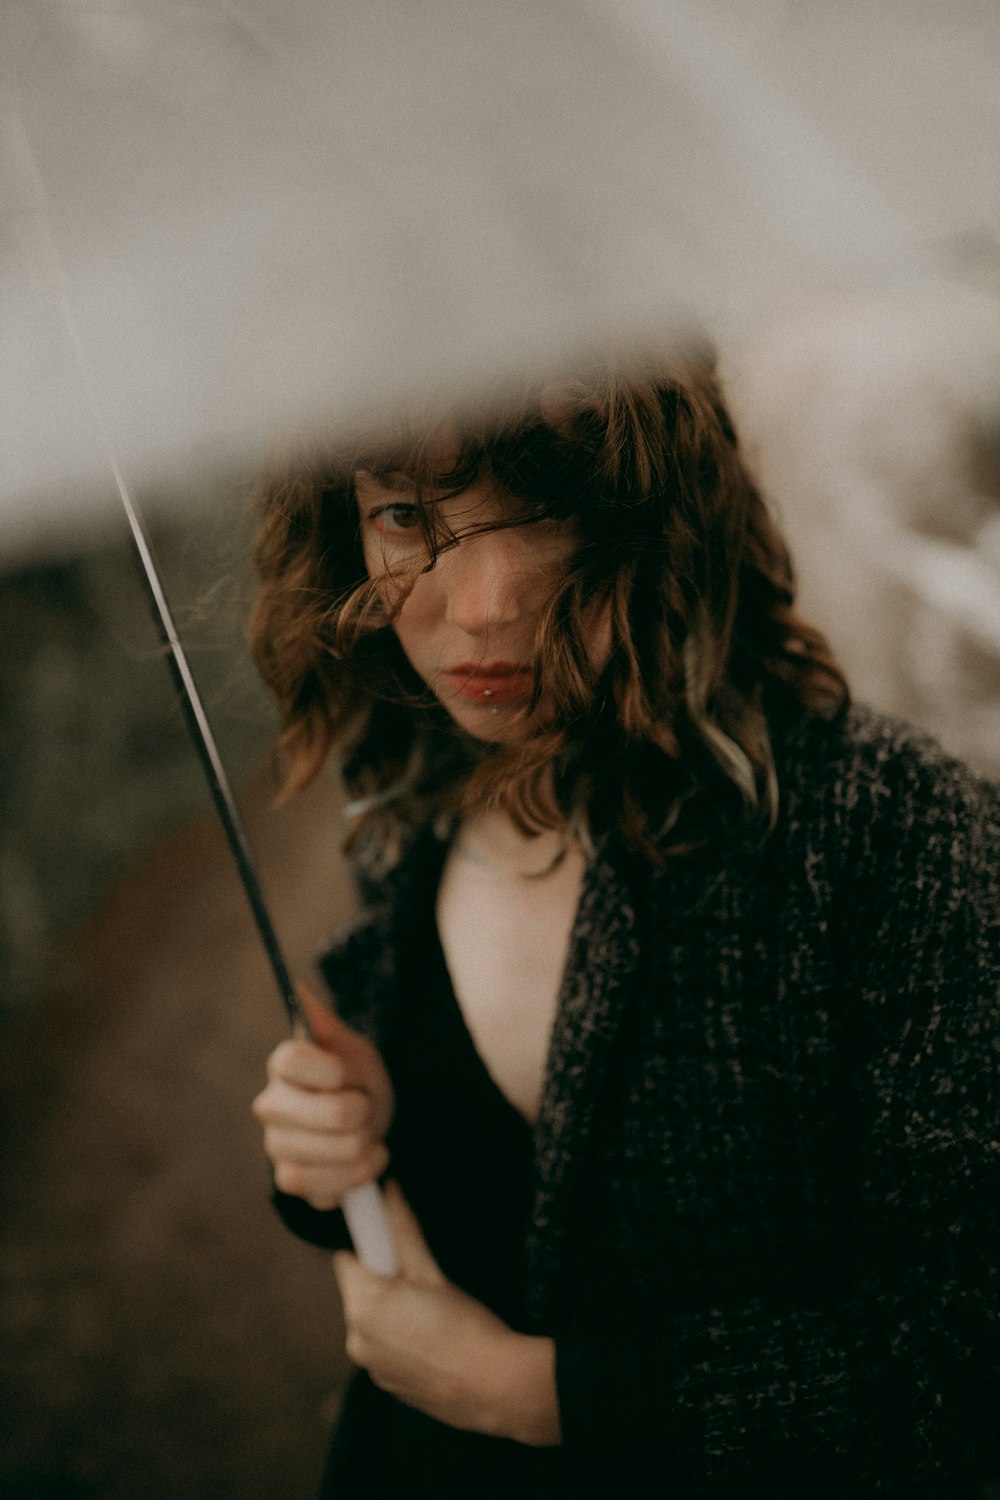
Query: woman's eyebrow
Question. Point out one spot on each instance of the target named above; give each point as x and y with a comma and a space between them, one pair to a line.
384, 479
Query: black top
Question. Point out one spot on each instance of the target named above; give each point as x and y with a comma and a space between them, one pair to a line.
460, 1151
463, 1157
767, 1160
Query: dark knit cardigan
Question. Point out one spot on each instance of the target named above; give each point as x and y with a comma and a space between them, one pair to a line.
766, 1232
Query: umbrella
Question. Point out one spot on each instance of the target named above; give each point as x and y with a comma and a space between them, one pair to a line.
271, 213
227, 216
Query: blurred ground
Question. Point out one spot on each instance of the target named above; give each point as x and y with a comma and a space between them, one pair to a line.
162, 1334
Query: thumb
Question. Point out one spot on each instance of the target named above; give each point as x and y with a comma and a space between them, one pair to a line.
416, 1263
360, 1056
323, 1025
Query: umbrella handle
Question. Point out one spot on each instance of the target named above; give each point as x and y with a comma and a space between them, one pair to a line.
364, 1210
363, 1207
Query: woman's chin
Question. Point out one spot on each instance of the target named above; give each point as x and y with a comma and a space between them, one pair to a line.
500, 725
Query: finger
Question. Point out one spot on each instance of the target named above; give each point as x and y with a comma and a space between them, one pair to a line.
349, 1274
300, 1109
368, 1297
345, 1264
314, 1148
416, 1263
324, 1188
306, 1066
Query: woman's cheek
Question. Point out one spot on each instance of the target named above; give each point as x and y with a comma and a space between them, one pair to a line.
414, 630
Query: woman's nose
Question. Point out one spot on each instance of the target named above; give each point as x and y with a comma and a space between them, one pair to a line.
485, 580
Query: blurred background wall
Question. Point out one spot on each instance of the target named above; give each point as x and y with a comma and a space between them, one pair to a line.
95, 757
161, 1334
874, 428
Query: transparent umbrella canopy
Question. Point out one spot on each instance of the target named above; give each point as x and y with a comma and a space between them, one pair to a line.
221, 218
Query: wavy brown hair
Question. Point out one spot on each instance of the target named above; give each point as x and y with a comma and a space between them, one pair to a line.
669, 742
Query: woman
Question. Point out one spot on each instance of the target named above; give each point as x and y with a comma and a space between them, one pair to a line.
672, 1008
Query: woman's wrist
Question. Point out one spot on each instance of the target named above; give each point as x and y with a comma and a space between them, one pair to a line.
524, 1402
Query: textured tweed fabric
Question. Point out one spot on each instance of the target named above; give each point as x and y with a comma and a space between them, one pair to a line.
766, 1233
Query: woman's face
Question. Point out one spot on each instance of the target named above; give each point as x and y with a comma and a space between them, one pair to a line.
468, 625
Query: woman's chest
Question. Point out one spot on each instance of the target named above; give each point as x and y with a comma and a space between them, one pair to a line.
505, 940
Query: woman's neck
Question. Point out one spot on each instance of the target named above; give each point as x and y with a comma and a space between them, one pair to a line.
490, 838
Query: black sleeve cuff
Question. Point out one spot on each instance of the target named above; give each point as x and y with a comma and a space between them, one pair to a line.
323, 1227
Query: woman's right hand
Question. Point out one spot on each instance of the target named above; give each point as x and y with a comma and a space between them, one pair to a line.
326, 1109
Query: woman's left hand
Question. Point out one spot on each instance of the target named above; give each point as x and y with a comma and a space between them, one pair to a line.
431, 1345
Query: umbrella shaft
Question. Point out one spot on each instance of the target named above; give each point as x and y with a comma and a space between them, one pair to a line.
204, 742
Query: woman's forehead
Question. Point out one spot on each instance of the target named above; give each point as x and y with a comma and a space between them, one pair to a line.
421, 455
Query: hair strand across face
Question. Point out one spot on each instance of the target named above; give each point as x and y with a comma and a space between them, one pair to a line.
668, 742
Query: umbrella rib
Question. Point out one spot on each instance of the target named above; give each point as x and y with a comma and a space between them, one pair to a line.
204, 742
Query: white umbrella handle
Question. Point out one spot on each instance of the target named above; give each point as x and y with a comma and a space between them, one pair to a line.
364, 1210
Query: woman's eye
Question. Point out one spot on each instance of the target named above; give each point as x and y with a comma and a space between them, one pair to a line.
536, 513
393, 518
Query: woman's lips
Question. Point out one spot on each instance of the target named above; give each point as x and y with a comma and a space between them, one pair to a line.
491, 685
